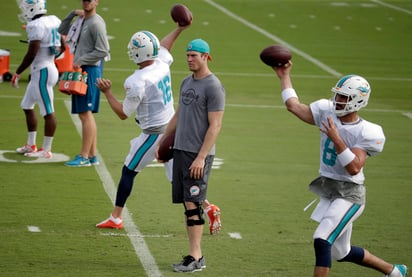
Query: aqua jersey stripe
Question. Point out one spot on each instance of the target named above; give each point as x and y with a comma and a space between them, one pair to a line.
44, 74
343, 80
338, 230
138, 156
154, 41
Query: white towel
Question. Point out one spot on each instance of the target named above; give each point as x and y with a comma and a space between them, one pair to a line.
74, 33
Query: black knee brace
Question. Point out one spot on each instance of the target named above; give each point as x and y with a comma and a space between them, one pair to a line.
195, 212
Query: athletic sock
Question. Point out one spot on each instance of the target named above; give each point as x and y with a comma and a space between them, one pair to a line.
47, 143
31, 138
116, 220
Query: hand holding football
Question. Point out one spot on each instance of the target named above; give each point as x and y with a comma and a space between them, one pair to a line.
275, 55
165, 151
181, 14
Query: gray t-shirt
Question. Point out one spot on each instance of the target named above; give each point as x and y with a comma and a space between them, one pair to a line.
197, 98
93, 45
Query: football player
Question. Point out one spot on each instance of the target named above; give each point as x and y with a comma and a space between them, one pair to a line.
346, 140
149, 96
45, 43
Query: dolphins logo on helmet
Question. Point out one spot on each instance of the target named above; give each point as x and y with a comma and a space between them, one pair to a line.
31, 8
356, 89
143, 46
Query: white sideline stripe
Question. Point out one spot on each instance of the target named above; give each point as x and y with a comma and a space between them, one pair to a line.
276, 39
139, 244
241, 74
247, 106
309, 205
408, 114
392, 6
112, 234
235, 235
33, 229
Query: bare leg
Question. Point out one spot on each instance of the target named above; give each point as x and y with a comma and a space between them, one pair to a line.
89, 134
194, 233
321, 271
376, 263
31, 120
117, 212
49, 125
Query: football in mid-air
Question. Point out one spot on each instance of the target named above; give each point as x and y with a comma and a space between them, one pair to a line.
275, 55
165, 152
181, 14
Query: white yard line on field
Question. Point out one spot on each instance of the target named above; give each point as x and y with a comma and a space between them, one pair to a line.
137, 239
33, 229
392, 6
246, 74
408, 114
246, 106
276, 39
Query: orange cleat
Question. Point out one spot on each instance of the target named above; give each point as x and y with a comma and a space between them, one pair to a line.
111, 222
213, 214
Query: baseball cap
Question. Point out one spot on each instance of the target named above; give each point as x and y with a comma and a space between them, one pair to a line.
199, 45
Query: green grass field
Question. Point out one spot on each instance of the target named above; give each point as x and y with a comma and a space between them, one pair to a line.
267, 156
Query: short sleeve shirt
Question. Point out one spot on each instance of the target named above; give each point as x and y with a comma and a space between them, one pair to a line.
197, 98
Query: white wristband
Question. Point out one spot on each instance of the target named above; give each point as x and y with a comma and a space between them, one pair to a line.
346, 157
288, 93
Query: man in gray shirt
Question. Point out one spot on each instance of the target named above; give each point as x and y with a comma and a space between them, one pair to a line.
197, 123
87, 39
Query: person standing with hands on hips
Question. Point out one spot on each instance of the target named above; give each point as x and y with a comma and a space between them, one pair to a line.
45, 43
87, 39
346, 142
197, 124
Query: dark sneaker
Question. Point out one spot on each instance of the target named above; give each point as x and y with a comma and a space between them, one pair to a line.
94, 160
188, 264
202, 262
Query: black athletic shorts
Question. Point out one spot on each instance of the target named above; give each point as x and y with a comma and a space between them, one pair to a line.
185, 188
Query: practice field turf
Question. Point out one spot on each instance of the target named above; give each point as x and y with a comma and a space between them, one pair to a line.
265, 156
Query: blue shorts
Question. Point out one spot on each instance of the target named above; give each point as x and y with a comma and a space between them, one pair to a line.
90, 101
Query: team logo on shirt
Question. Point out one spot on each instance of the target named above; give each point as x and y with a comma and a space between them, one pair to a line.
194, 190
189, 96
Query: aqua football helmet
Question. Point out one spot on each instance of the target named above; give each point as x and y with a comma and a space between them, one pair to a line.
31, 8
356, 89
143, 46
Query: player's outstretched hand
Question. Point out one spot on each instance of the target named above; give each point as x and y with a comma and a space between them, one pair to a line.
103, 84
283, 70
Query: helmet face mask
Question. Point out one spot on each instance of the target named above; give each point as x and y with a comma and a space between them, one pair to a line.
143, 46
355, 89
31, 8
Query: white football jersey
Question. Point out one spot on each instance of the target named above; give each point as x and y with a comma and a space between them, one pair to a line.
361, 134
44, 29
149, 93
